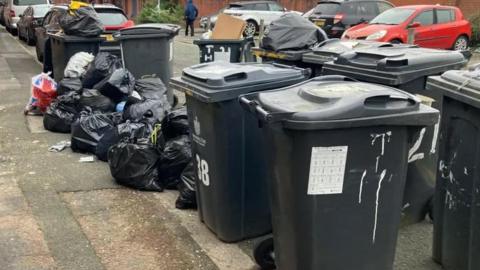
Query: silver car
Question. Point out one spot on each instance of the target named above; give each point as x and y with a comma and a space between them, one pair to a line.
14, 8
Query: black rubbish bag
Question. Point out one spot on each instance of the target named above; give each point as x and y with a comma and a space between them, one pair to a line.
187, 198
89, 129
117, 86
292, 32
103, 65
67, 85
174, 157
115, 134
175, 123
61, 113
150, 88
152, 109
94, 99
134, 164
84, 22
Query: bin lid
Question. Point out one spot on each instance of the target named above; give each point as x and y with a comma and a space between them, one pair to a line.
148, 30
395, 65
220, 81
460, 84
331, 48
339, 102
70, 38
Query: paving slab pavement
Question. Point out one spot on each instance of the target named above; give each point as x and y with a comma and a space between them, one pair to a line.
57, 213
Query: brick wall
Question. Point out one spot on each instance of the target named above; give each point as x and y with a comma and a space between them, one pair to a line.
468, 7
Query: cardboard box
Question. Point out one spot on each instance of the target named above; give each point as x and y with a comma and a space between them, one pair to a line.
228, 27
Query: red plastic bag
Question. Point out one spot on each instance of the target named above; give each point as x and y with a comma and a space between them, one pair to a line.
44, 91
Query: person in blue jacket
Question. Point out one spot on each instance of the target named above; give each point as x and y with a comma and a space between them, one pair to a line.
191, 13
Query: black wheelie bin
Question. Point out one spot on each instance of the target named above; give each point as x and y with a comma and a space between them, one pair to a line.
147, 49
337, 162
226, 50
456, 228
329, 49
64, 46
405, 68
231, 182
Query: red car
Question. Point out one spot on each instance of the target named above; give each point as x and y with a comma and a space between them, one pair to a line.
441, 27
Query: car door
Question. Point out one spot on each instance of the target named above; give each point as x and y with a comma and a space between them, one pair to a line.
424, 36
41, 32
445, 28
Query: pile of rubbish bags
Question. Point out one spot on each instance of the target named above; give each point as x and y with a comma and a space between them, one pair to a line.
124, 121
83, 22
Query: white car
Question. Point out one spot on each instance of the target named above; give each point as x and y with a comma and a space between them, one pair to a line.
254, 11
14, 8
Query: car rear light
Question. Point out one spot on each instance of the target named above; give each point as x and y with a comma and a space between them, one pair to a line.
338, 18
12, 13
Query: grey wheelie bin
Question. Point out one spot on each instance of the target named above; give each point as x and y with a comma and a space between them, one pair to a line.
337, 157
226, 50
227, 150
456, 242
147, 49
405, 68
331, 48
64, 46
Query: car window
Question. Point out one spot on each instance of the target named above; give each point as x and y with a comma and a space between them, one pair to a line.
236, 7
383, 6
367, 9
393, 16
425, 18
261, 6
47, 18
275, 7
326, 9
28, 12
445, 15
111, 16
29, 2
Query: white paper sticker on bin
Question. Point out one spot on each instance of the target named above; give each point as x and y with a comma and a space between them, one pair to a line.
327, 170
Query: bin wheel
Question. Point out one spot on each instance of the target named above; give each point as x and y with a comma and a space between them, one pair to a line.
430, 207
264, 255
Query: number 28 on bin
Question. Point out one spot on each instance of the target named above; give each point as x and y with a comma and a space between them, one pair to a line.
202, 166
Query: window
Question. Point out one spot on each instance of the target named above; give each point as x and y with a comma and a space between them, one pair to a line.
111, 17
236, 7
383, 7
425, 18
261, 7
367, 9
393, 16
326, 9
445, 15
275, 7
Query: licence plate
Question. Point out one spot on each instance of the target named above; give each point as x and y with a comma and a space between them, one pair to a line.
320, 23
108, 37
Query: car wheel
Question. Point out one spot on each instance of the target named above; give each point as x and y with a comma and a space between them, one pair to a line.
461, 44
250, 29
396, 41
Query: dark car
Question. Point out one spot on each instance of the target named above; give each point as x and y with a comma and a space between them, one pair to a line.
2, 7
29, 20
112, 17
336, 16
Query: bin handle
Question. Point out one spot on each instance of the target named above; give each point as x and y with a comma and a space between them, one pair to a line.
305, 71
261, 113
328, 78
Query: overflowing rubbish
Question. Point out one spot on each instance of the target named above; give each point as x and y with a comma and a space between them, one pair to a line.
44, 91
78, 64
61, 114
187, 197
83, 22
176, 123
67, 85
174, 157
134, 164
94, 99
59, 147
117, 86
89, 129
292, 32
103, 65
